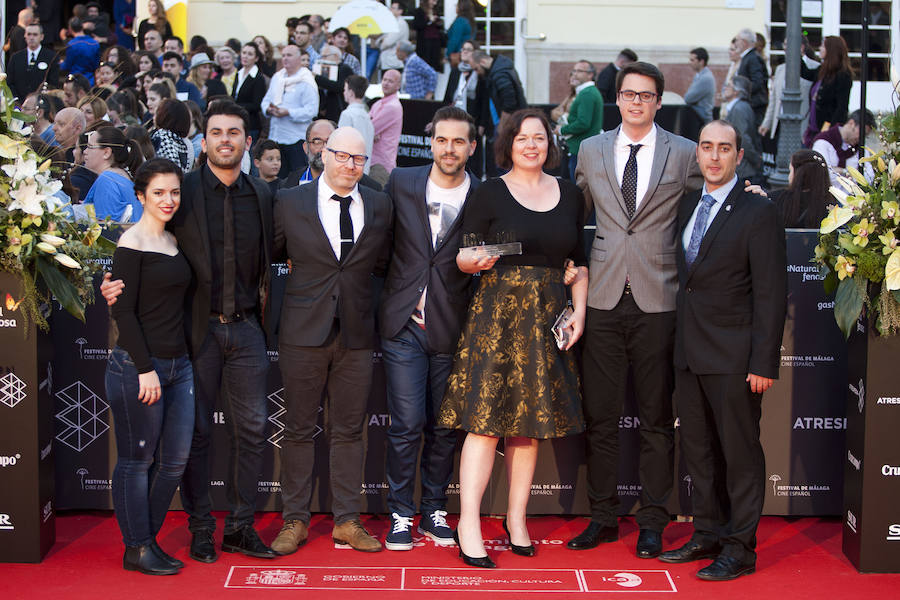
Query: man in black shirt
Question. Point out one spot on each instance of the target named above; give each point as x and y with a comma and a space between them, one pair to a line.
229, 258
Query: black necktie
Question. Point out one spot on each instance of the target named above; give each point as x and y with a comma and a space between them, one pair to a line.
31, 58
346, 225
629, 181
228, 277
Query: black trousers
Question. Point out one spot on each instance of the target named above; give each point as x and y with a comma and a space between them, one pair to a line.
345, 376
615, 339
720, 440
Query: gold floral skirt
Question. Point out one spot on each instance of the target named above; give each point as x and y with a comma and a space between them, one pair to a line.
509, 378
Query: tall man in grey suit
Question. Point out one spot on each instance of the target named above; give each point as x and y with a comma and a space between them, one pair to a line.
634, 177
335, 233
730, 318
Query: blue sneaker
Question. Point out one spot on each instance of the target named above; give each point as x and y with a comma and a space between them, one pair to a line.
434, 525
400, 535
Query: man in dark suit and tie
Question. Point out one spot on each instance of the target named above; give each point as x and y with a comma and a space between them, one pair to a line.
423, 307
633, 177
224, 229
731, 304
34, 65
335, 233
753, 67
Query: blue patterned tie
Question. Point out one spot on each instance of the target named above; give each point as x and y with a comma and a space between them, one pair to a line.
700, 223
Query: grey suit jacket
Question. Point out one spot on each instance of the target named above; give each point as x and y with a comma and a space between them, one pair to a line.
642, 249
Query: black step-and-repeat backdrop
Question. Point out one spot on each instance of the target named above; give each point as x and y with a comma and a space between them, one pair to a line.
803, 423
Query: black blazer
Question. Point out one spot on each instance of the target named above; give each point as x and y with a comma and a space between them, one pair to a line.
753, 67
731, 302
319, 286
250, 96
415, 264
331, 94
832, 98
191, 229
606, 83
24, 80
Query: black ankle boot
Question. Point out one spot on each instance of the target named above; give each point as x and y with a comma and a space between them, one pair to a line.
145, 560
165, 556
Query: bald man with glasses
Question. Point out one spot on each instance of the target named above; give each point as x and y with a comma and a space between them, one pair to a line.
335, 232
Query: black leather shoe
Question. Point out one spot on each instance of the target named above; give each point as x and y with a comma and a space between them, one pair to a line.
725, 568
689, 552
593, 535
166, 557
145, 560
649, 544
520, 550
483, 562
246, 541
202, 547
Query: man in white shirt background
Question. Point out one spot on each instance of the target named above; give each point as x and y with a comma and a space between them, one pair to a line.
356, 115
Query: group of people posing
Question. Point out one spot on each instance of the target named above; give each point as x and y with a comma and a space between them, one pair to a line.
684, 283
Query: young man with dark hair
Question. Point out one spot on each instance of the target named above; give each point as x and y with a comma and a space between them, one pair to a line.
75, 87
224, 228
356, 115
701, 94
173, 64
32, 66
423, 307
606, 79
838, 144
82, 52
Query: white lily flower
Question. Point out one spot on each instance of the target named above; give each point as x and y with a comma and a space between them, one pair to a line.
19, 127
840, 194
53, 240
10, 148
24, 168
66, 260
27, 199
45, 247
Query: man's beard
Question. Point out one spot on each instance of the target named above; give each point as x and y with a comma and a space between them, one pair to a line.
224, 163
315, 162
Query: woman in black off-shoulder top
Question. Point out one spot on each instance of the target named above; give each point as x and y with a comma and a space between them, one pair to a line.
149, 381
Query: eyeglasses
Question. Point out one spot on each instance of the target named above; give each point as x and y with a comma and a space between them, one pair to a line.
316, 142
630, 95
358, 159
573, 71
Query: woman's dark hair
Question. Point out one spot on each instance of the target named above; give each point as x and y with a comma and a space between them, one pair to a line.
836, 59
49, 105
196, 115
350, 49
141, 137
124, 65
161, 89
197, 42
805, 200
510, 129
263, 146
466, 10
259, 55
270, 51
150, 169
126, 153
645, 69
234, 44
101, 92
136, 57
127, 101
173, 115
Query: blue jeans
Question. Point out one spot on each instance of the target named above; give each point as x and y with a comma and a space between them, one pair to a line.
152, 441
416, 381
236, 354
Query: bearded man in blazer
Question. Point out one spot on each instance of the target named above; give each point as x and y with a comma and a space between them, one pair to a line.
423, 307
335, 234
633, 177
731, 305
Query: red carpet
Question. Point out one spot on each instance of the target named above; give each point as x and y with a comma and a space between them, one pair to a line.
798, 558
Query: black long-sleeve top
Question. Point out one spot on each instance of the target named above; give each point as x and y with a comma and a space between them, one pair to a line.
548, 238
150, 312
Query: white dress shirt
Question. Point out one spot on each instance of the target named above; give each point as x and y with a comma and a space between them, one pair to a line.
330, 215
719, 196
644, 160
831, 159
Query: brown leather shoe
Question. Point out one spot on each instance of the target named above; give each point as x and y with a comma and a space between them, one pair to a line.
352, 534
293, 534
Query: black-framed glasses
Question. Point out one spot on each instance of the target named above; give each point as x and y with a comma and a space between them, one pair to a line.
316, 141
358, 159
630, 95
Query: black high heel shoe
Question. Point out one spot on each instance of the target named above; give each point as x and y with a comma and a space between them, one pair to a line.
520, 550
484, 562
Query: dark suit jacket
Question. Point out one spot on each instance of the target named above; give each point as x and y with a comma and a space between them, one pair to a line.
416, 264
24, 79
743, 118
606, 83
191, 229
832, 97
320, 286
331, 94
731, 302
250, 96
753, 67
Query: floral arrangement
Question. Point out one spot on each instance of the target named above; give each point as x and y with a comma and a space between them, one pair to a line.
859, 249
39, 241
